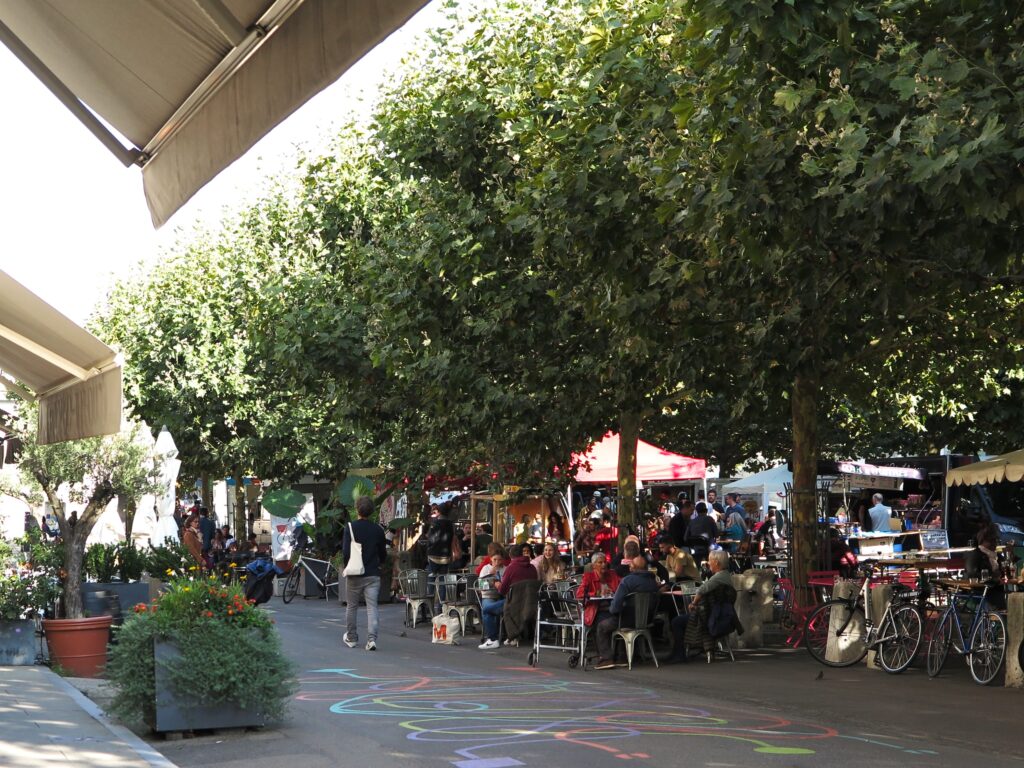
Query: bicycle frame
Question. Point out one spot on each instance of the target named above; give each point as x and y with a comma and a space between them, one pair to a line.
980, 610
863, 598
328, 567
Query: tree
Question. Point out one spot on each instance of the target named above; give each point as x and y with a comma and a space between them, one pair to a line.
836, 163
523, 155
94, 471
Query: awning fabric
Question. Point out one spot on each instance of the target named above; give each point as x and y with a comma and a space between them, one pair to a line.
74, 375
770, 481
192, 84
652, 463
1009, 467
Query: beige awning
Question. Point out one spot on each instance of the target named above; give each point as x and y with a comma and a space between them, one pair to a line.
1009, 466
192, 84
45, 356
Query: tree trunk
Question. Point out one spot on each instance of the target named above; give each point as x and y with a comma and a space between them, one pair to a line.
206, 492
241, 523
804, 525
75, 540
131, 506
629, 433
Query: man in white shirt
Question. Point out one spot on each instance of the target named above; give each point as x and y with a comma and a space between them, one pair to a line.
880, 514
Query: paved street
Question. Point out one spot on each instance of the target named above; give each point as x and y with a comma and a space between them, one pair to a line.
416, 704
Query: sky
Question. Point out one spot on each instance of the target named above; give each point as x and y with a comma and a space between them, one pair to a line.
72, 218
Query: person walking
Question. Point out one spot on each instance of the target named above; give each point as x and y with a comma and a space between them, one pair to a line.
366, 586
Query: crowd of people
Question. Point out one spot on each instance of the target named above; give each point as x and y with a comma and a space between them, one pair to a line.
208, 544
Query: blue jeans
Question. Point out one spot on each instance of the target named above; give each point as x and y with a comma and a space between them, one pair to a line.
362, 588
434, 570
492, 611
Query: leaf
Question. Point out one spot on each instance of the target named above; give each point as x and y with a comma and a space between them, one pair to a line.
787, 98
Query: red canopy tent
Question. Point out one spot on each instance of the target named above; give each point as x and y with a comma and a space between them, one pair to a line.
652, 463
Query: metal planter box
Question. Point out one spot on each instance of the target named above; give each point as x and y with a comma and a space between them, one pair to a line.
188, 713
18, 646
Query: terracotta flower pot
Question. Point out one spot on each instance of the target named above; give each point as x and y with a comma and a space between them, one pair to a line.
79, 645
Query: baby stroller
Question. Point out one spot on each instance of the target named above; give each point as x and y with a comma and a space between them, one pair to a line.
259, 583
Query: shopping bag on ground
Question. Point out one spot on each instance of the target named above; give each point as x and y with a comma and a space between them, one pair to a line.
446, 629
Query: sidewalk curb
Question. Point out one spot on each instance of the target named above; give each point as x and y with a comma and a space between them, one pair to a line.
140, 747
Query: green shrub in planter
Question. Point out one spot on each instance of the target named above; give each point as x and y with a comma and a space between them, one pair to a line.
214, 627
131, 562
101, 562
171, 560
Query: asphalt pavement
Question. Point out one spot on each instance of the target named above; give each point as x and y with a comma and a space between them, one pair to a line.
412, 703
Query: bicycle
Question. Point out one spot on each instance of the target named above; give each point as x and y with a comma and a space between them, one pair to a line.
322, 572
985, 648
841, 631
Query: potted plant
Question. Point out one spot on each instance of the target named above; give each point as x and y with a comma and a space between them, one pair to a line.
24, 595
92, 472
198, 625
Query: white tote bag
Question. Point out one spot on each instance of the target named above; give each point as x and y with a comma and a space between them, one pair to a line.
354, 566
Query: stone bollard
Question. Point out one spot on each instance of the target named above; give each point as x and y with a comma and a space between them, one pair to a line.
754, 590
841, 649
880, 595
1014, 636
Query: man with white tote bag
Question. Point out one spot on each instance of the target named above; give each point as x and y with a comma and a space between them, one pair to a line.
364, 549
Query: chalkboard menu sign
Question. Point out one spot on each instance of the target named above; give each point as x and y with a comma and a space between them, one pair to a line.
938, 539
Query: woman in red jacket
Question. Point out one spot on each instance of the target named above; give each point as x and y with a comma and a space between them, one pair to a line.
599, 581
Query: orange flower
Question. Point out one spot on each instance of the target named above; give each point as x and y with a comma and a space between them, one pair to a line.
230, 612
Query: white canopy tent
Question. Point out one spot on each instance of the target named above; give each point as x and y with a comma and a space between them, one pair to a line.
191, 84
44, 356
769, 484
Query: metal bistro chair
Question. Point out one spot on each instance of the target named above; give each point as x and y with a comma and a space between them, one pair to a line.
644, 604
414, 588
458, 589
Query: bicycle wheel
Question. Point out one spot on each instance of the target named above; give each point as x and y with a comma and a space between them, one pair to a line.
291, 584
835, 634
988, 648
901, 637
938, 646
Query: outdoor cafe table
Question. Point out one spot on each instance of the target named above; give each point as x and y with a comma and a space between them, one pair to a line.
681, 595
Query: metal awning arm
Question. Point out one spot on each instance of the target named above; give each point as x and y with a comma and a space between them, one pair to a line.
128, 156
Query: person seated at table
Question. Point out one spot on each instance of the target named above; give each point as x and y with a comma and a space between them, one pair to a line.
679, 564
486, 559
489, 595
519, 569
496, 557
718, 562
630, 550
599, 581
549, 565
640, 579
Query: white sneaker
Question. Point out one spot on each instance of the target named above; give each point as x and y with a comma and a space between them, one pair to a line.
514, 643
487, 645
371, 645
350, 643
